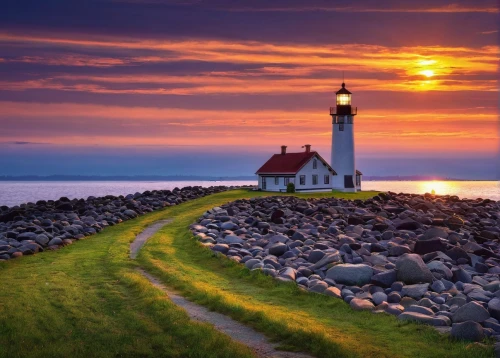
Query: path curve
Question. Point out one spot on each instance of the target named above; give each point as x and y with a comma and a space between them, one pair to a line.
141, 239
234, 329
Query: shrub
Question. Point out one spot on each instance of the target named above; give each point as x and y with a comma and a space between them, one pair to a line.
290, 188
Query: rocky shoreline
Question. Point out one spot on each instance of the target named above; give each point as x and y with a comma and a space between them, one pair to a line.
426, 258
48, 225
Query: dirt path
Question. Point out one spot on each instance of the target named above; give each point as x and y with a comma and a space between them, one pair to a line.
141, 239
237, 331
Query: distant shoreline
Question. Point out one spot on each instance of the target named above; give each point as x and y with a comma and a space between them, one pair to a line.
60, 178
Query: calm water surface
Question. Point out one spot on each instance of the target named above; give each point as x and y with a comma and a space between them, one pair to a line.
15, 193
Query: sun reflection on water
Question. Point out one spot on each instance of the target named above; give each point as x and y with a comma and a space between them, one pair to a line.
439, 187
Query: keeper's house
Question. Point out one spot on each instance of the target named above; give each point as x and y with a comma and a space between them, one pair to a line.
307, 170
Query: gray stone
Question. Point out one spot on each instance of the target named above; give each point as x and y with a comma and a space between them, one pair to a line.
471, 311
494, 308
350, 274
384, 279
221, 248
379, 297
420, 309
278, 249
328, 259
229, 225
415, 291
411, 269
469, 330
315, 256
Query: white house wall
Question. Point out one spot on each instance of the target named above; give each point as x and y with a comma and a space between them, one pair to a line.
308, 171
270, 182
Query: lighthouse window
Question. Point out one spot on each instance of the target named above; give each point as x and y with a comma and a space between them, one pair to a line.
276, 180
327, 179
315, 164
302, 180
341, 127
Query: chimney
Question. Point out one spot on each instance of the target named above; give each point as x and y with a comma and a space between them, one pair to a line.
283, 149
308, 148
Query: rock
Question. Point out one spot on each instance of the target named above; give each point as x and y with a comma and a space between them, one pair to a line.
411, 269
221, 248
434, 232
350, 274
278, 249
328, 259
409, 225
494, 308
333, 291
469, 330
361, 305
415, 291
471, 311
130, 213
55, 241
42, 239
384, 279
379, 297
315, 256
232, 239
425, 246
228, 225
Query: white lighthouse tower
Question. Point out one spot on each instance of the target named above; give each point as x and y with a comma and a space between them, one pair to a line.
343, 155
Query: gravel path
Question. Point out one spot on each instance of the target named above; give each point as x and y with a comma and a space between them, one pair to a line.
237, 331
141, 239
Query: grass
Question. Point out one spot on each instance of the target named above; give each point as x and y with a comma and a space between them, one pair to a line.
88, 300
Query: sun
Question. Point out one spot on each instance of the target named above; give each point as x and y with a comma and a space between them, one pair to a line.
427, 73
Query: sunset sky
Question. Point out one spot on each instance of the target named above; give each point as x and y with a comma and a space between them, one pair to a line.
166, 87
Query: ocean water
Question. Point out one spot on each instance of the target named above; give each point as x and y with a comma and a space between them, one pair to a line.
15, 193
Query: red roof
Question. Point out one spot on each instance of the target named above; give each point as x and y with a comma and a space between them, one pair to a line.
290, 163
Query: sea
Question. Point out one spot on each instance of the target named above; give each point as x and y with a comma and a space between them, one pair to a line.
15, 193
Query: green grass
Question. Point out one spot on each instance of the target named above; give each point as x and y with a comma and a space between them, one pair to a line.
88, 300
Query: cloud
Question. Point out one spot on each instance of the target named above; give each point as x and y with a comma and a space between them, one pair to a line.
488, 32
452, 8
266, 67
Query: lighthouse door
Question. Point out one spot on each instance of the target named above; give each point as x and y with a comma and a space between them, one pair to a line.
348, 183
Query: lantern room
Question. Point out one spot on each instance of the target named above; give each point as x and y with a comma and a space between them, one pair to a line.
343, 96
343, 103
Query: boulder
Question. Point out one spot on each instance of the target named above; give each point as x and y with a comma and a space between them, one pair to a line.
411, 269
278, 249
359, 304
469, 330
350, 274
415, 291
423, 247
471, 311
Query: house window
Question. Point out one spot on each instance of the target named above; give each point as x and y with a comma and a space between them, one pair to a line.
287, 180
315, 179
327, 179
358, 180
302, 180
276, 180
264, 187
315, 164
341, 127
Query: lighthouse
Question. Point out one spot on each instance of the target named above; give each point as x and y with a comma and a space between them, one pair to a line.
348, 179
